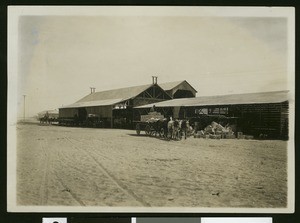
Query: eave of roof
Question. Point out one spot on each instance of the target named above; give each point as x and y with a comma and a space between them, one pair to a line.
234, 99
107, 102
121, 93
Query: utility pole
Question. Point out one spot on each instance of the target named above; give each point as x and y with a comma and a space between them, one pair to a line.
24, 107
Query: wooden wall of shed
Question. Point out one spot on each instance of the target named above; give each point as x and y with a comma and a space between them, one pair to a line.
270, 119
102, 111
284, 120
183, 94
262, 119
67, 112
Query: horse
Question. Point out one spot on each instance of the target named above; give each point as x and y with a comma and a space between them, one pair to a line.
176, 130
184, 128
162, 127
171, 128
45, 119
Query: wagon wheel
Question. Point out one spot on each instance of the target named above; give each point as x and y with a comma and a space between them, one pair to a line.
153, 133
138, 129
148, 130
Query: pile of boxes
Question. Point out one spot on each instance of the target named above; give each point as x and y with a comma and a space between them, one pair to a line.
217, 131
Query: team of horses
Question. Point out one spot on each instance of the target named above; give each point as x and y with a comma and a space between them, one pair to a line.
171, 129
47, 119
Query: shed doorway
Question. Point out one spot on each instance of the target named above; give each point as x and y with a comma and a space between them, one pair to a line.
82, 114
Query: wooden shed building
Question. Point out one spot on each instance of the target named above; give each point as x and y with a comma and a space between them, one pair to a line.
254, 113
115, 107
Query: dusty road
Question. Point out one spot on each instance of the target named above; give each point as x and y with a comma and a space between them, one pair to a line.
111, 167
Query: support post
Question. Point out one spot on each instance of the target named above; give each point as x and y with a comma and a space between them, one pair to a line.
111, 117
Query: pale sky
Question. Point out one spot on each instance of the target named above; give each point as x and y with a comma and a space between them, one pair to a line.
60, 57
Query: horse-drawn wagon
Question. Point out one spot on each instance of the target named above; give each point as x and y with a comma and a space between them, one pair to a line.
150, 124
48, 117
155, 124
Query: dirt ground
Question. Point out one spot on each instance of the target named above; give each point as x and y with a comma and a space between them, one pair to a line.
112, 167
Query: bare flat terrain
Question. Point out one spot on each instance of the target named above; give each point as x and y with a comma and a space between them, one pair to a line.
112, 167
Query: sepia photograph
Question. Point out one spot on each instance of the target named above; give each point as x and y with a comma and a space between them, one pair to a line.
151, 109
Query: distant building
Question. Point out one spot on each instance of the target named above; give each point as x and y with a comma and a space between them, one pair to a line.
51, 113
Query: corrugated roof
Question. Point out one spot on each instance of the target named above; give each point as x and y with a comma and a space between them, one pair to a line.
249, 98
110, 97
94, 103
170, 85
121, 93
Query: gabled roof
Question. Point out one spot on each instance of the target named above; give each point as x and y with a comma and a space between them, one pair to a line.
233, 99
111, 97
121, 93
171, 85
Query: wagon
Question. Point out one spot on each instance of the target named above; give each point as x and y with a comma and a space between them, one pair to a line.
148, 123
48, 116
148, 127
